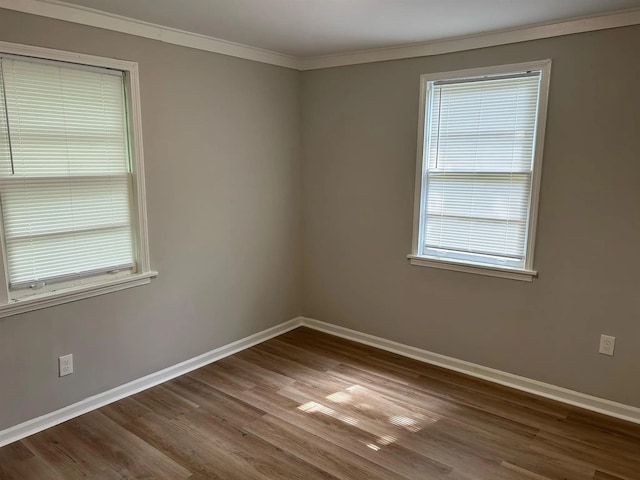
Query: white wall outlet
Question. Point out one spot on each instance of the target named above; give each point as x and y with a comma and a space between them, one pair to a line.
65, 365
607, 344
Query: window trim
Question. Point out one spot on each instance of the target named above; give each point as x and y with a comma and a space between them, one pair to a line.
527, 273
99, 285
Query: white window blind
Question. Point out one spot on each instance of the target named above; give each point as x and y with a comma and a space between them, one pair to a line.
479, 151
65, 176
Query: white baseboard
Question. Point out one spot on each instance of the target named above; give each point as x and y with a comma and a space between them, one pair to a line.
48, 420
553, 392
582, 400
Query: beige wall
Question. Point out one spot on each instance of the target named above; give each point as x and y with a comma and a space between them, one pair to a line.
226, 196
221, 139
359, 146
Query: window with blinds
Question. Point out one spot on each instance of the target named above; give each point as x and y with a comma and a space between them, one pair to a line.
65, 173
478, 164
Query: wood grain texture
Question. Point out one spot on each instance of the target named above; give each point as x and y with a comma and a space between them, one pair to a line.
307, 405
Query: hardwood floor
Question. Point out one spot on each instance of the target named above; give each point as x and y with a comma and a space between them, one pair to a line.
307, 406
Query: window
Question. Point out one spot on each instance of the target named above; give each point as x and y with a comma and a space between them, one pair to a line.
71, 179
480, 150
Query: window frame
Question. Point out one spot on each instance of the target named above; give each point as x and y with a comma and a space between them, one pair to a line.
417, 257
64, 292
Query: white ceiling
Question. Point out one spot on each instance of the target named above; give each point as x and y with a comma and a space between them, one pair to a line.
306, 28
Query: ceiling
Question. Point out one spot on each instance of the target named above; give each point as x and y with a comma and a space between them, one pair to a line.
308, 28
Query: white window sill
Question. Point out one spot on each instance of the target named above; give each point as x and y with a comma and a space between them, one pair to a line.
66, 295
491, 271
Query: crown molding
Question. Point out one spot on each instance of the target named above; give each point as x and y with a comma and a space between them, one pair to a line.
87, 16
96, 18
472, 42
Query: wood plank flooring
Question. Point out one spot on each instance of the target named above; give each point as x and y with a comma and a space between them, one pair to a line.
308, 406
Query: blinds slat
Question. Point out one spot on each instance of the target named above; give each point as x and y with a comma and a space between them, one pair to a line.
66, 205
479, 158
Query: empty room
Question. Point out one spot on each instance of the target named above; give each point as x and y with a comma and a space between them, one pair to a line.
320, 239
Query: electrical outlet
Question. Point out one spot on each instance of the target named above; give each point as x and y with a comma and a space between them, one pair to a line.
607, 344
65, 365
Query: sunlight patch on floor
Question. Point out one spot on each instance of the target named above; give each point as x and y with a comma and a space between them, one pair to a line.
313, 407
356, 396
